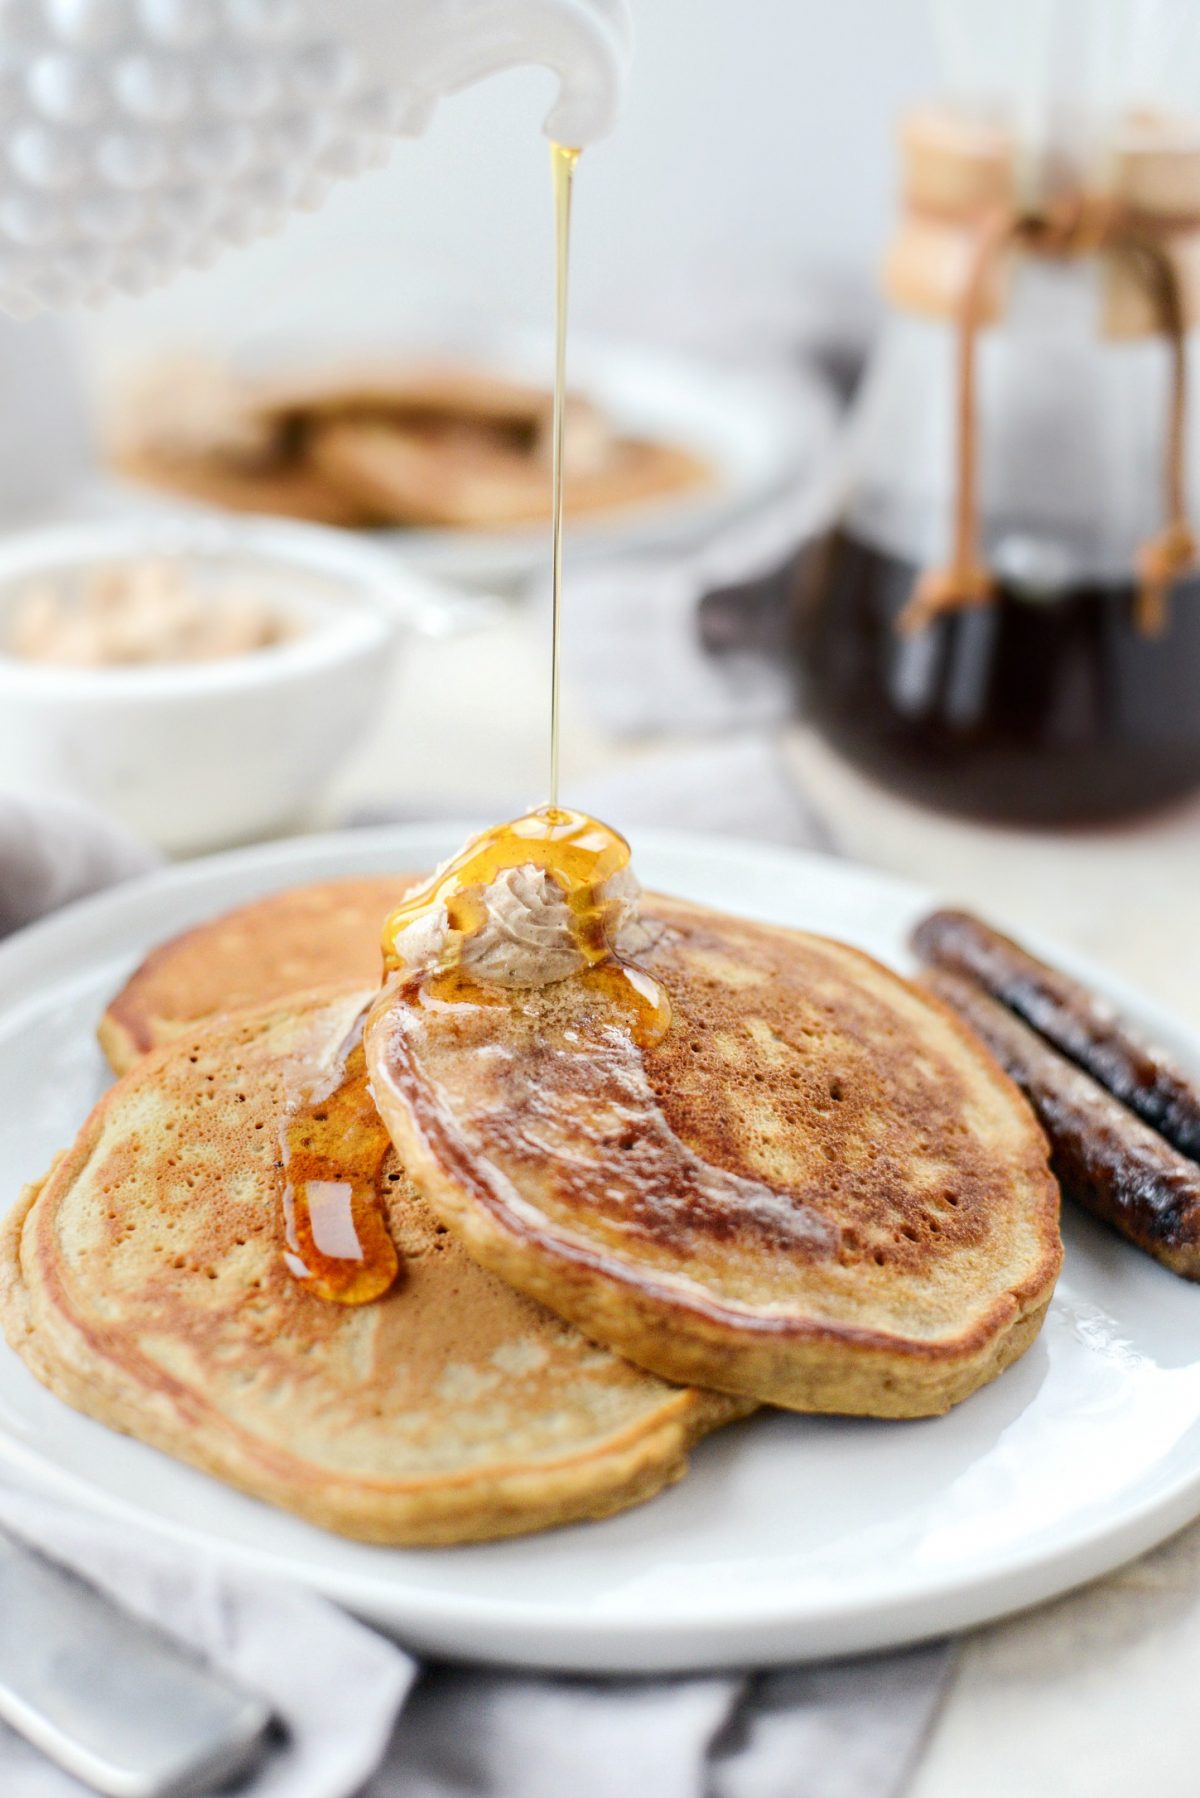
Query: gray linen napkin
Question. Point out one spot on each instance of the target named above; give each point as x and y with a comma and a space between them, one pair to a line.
694, 641
333, 1684
847, 1729
360, 1715
55, 849
739, 785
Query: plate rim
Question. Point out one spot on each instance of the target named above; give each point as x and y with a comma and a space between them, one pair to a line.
511, 1631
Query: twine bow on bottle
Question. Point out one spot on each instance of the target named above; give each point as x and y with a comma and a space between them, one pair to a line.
1082, 225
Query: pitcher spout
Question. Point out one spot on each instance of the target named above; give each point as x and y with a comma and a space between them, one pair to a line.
432, 49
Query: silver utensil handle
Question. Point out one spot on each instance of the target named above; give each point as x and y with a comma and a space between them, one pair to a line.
113, 1701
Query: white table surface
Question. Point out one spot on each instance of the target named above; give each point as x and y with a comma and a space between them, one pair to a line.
1092, 1695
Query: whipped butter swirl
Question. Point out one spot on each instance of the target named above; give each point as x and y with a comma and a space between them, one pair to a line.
527, 936
528, 904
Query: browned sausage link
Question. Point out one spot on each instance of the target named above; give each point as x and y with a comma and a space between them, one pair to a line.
1105, 1159
1072, 1018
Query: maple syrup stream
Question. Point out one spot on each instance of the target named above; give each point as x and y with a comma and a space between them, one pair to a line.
334, 1145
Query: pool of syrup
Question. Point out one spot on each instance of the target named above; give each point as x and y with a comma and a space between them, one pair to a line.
1043, 708
334, 1144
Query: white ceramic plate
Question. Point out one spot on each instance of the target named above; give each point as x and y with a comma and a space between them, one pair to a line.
792, 1537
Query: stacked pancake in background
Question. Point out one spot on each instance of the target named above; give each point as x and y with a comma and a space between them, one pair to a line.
437, 444
817, 1190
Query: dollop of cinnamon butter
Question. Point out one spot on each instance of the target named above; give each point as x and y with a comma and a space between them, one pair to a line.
142, 612
524, 930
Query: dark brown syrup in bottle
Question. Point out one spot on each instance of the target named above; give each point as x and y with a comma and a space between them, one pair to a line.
1044, 707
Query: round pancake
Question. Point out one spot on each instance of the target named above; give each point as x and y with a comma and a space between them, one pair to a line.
423, 475
278, 489
286, 943
142, 1281
818, 1190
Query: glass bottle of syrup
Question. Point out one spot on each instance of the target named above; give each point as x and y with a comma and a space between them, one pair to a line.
1003, 617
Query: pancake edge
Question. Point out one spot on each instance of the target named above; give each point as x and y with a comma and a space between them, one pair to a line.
127, 1030
117, 1041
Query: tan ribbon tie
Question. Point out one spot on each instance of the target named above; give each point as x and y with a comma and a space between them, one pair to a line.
1081, 225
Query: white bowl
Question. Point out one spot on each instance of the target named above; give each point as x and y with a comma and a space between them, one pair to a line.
197, 755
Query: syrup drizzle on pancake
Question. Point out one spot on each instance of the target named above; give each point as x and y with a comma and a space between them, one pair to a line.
525, 1083
335, 1227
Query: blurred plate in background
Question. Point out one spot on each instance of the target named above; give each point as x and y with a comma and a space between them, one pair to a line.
757, 430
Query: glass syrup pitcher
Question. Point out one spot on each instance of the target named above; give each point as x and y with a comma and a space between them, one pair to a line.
1003, 617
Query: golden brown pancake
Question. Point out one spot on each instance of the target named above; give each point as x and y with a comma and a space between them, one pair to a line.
189, 426
446, 473
285, 943
818, 1190
142, 1281
446, 444
434, 443
433, 389
284, 488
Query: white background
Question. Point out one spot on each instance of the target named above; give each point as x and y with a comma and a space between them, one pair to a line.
755, 146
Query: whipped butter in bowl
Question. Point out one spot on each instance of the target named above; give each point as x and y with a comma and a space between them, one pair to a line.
200, 680
129, 614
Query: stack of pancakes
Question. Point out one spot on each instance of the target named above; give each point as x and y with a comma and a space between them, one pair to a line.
434, 444
818, 1191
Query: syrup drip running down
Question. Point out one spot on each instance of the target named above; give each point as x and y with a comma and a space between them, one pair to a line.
334, 1144
334, 1148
